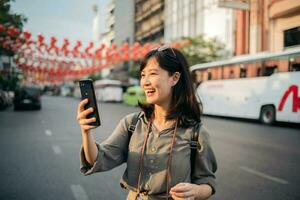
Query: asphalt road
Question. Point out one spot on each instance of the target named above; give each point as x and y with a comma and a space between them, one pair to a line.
40, 156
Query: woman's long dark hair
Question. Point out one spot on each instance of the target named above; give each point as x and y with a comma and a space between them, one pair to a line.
184, 104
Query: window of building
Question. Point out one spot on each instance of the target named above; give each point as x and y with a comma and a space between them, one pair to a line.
292, 37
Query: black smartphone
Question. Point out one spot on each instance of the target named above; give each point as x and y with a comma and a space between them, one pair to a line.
88, 92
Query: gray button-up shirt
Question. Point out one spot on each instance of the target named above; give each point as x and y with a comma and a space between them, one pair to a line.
114, 151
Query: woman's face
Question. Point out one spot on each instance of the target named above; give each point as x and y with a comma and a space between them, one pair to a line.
157, 83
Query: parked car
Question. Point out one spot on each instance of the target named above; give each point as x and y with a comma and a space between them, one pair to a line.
28, 97
133, 95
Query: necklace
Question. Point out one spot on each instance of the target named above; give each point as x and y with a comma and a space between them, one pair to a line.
168, 163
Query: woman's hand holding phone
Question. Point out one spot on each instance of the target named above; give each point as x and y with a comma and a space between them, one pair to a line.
82, 116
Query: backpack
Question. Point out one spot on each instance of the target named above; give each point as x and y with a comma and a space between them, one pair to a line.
194, 144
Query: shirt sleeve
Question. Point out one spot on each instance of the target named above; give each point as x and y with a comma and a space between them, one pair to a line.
205, 161
111, 153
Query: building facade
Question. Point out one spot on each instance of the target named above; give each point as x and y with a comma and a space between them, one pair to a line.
269, 25
190, 18
149, 21
119, 30
120, 22
261, 26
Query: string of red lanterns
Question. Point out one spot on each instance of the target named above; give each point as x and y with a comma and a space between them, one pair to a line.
50, 63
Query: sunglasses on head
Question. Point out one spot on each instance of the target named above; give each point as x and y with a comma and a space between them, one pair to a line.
164, 47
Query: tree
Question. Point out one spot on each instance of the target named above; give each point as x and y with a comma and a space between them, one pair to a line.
9, 19
96, 76
203, 50
134, 71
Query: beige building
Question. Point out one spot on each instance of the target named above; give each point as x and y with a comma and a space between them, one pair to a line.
261, 26
149, 21
284, 21
119, 30
269, 25
119, 22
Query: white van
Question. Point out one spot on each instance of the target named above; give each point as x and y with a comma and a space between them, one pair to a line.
108, 90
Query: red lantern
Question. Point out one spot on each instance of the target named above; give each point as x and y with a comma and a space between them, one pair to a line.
175, 45
27, 35
98, 52
7, 44
12, 31
75, 50
2, 28
59, 72
64, 47
186, 42
113, 46
136, 45
87, 50
126, 56
53, 45
40, 38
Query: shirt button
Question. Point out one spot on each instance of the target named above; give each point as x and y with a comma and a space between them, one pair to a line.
153, 149
151, 161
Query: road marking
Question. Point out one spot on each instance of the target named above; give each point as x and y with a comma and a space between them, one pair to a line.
48, 132
78, 192
272, 178
56, 149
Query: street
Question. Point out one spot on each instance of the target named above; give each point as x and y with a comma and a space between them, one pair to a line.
40, 156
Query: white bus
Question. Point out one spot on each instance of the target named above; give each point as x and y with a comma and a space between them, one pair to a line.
107, 90
264, 86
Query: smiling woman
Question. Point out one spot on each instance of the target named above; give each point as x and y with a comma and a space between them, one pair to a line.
156, 142
167, 74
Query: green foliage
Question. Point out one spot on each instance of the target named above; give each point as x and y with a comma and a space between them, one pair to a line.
8, 18
134, 71
95, 77
203, 50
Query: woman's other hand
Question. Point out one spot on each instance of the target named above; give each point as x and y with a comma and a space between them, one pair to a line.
82, 114
189, 191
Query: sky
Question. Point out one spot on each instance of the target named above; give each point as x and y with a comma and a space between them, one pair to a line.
72, 19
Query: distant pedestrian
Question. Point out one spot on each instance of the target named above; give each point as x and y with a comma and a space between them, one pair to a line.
160, 161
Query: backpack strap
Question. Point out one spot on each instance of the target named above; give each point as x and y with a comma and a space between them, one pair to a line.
132, 126
194, 145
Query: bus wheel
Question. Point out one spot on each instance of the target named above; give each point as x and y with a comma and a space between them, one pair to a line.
267, 114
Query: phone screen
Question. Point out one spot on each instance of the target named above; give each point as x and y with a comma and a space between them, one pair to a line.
87, 92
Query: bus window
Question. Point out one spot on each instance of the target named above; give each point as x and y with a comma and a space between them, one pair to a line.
258, 72
296, 67
231, 74
209, 75
268, 71
243, 73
